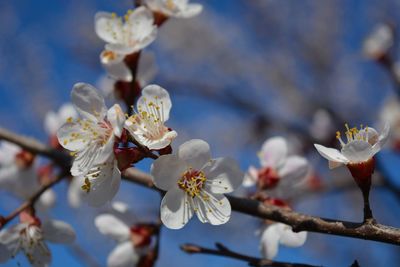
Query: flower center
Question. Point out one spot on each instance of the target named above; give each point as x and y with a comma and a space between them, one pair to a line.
170, 5
192, 181
108, 56
353, 134
268, 178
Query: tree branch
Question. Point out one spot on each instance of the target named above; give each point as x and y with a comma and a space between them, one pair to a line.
225, 252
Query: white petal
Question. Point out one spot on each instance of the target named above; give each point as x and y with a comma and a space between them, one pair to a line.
88, 102
273, 152
115, 66
40, 255
105, 186
292, 239
159, 96
191, 10
175, 209
166, 170
111, 226
72, 144
124, 255
8, 176
269, 243
141, 28
108, 27
67, 111
58, 232
196, 153
106, 152
75, 192
85, 159
250, 178
161, 143
223, 175
9, 240
117, 118
331, 154
47, 200
215, 210
357, 151
294, 169
51, 122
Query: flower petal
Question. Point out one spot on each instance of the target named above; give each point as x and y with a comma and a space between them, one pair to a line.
115, 66
191, 10
166, 170
117, 119
269, 243
357, 151
64, 135
108, 27
196, 153
331, 154
46, 200
141, 28
294, 169
161, 98
291, 239
58, 232
75, 192
113, 227
223, 175
123, 255
104, 186
213, 208
175, 208
10, 242
250, 178
273, 152
88, 102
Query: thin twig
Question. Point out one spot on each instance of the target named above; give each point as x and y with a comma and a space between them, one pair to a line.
223, 251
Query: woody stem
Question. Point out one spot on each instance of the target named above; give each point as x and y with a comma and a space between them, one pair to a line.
368, 217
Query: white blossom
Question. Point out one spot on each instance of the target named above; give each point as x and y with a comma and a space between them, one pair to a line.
175, 8
379, 41
390, 114
278, 169
124, 254
147, 126
279, 234
30, 238
54, 120
361, 146
91, 140
195, 183
126, 35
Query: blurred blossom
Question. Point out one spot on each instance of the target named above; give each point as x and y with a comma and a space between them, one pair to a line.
175, 8
30, 236
280, 173
195, 183
279, 234
19, 175
390, 113
321, 125
378, 42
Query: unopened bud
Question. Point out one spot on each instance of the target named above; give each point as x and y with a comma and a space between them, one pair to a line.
127, 156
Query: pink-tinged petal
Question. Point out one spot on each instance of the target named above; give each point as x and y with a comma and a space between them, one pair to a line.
250, 178
165, 141
291, 239
176, 210
115, 66
72, 136
212, 208
167, 170
104, 181
113, 227
58, 232
108, 27
88, 102
116, 117
159, 96
294, 169
357, 151
123, 255
273, 152
196, 153
269, 243
223, 175
331, 154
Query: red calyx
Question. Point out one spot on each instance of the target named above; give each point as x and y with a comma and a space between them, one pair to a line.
28, 216
24, 159
362, 173
267, 178
126, 156
165, 151
141, 235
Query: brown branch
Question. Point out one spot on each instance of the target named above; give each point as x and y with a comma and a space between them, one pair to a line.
30, 201
299, 222
225, 252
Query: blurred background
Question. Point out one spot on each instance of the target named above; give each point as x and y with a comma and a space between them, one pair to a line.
238, 73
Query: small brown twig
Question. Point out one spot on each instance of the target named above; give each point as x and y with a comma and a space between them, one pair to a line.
223, 251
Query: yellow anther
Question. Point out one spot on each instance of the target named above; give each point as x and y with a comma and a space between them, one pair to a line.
69, 120
86, 186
